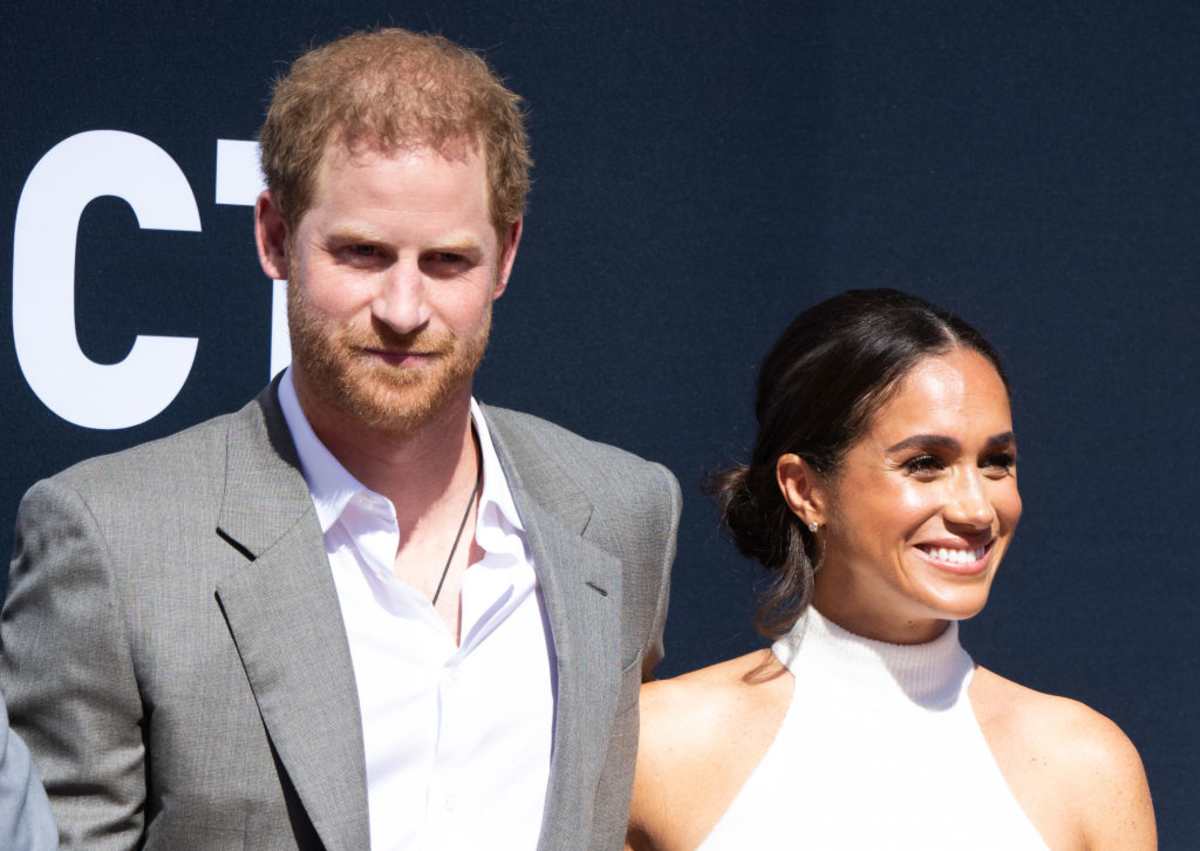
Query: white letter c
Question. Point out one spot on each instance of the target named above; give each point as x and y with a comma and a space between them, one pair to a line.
73, 173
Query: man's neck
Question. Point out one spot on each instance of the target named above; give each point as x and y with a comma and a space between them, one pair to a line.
417, 471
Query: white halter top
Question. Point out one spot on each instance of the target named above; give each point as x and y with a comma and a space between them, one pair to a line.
879, 749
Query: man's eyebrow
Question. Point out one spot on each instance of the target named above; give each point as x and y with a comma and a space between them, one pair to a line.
352, 234
349, 234
464, 246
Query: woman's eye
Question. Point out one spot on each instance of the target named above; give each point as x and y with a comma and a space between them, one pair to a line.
1000, 462
923, 464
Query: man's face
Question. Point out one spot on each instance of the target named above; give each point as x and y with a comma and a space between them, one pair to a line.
392, 273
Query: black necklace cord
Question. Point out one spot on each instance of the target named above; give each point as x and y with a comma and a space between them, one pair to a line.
458, 537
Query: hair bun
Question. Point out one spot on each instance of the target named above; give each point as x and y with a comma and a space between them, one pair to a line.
750, 507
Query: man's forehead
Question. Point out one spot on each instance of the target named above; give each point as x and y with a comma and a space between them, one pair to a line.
355, 148
342, 157
360, 189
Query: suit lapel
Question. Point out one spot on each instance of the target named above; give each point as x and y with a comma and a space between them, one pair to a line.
283, 612
581, 589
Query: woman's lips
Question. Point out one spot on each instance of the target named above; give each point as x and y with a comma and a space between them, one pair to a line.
957, 558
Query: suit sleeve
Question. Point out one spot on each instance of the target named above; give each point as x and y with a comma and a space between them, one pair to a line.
616, 776
67, 671
25, 820
654, 650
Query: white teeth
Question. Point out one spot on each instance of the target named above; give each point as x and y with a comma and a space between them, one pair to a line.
957, 556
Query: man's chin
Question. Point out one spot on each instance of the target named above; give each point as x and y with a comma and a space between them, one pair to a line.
397, 411
367, 395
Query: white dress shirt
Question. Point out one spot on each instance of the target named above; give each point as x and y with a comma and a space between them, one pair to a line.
457, 737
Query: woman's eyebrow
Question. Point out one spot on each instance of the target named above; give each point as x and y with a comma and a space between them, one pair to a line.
949, 444
927, 441
1004, 438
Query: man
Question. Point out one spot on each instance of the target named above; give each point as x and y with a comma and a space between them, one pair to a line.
271, 630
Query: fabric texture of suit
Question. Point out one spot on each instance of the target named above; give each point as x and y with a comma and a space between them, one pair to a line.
25, 820
174, 653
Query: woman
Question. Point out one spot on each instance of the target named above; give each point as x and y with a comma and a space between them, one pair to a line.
883, 493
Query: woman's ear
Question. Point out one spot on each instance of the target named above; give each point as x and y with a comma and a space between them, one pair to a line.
802, 489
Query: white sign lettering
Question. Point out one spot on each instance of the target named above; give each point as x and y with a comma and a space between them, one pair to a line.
239, 181
71, 175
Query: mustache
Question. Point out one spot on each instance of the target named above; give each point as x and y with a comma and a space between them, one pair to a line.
385, 338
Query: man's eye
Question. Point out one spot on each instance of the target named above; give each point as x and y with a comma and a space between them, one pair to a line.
357, 252
446, 264
923, 464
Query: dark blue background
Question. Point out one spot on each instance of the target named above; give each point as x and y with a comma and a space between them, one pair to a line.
704, 171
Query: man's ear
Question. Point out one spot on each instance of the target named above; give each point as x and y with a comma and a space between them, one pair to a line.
803, 490
510, 240
270, 235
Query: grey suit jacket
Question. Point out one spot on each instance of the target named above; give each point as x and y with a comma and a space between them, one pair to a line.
174, 654
25, 820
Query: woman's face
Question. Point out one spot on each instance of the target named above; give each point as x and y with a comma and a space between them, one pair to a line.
924, 505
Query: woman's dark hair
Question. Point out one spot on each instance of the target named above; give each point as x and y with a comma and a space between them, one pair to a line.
832, 369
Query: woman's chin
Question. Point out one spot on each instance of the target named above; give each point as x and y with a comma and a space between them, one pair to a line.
955, 602
951, 591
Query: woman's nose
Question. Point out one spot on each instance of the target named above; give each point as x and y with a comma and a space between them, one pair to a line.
969, 504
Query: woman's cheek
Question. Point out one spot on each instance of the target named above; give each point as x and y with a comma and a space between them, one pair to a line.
1008, 504
917, 498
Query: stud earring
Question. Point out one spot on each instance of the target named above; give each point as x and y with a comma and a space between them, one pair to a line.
813, 527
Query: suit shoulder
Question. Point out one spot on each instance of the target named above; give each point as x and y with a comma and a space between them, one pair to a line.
166, 465
590, 458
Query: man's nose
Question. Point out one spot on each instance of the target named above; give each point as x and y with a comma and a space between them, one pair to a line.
969, 503
402, 301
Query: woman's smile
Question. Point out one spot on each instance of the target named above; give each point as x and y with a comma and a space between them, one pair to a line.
956, 557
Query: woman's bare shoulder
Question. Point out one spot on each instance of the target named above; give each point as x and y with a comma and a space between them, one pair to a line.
1079, 735
1073, 751
690, 708
702, 733
708, 694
